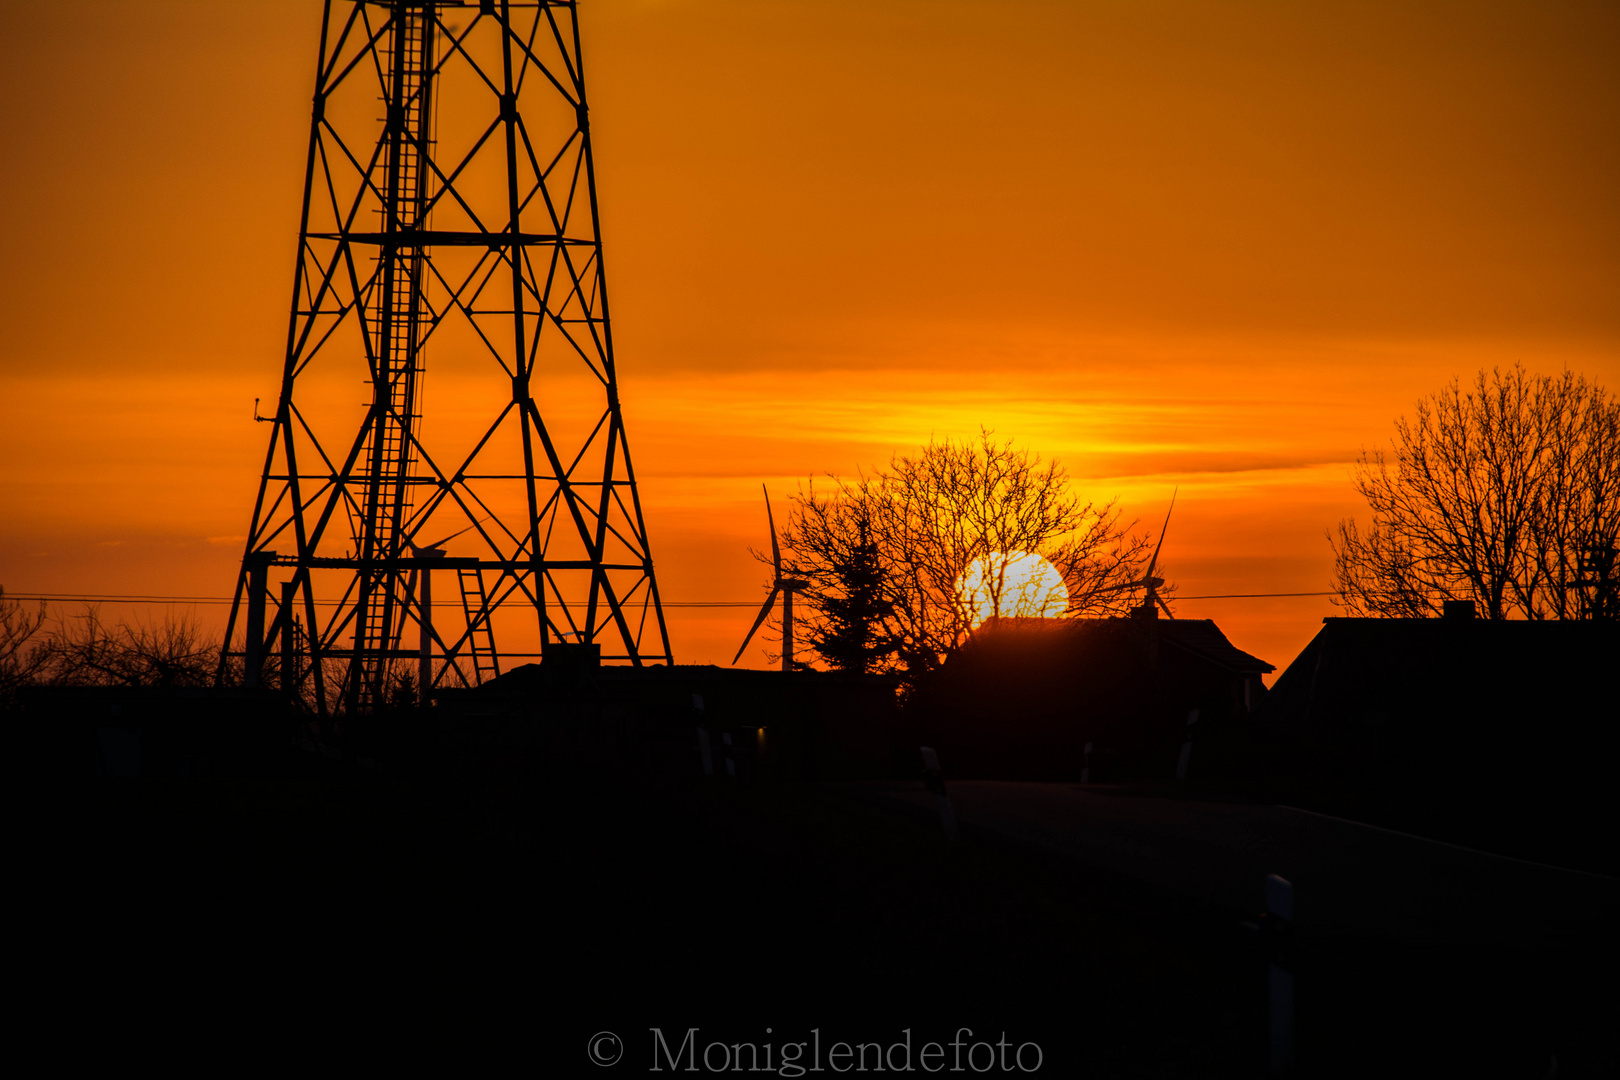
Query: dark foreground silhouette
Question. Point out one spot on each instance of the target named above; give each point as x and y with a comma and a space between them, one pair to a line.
507, 875
351, 914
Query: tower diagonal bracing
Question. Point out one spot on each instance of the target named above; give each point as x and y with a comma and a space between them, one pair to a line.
450, 229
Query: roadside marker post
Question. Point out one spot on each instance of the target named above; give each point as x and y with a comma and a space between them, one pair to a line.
936, 783
1186, 746
1277, 931
1085, 769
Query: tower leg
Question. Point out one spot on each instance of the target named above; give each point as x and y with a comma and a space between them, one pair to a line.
424, 607
787, 629
258, 584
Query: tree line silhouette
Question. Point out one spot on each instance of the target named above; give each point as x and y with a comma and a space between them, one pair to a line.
886, 552
1506, 494
85, 650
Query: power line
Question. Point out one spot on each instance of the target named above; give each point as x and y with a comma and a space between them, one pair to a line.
141, 598
1250, 595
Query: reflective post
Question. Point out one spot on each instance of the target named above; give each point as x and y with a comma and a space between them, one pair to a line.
1277, 924
1186, 746
936, 783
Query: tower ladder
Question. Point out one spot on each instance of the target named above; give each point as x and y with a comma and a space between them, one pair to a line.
480, 634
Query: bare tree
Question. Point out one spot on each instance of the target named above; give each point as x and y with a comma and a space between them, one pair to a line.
85, 651
932, 516
1507, 494
20, 661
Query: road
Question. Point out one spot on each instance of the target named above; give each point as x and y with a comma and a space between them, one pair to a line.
1350, 880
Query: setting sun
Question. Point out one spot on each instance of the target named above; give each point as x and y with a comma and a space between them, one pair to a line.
1014, 584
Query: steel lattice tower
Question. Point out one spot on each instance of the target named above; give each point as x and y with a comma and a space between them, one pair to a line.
449, 210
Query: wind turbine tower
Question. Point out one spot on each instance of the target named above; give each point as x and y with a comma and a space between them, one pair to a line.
782, 584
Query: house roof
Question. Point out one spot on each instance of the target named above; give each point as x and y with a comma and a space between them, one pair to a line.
1203, 637
1200, 637
1377, 671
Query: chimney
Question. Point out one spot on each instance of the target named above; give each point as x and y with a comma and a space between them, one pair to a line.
1457, 610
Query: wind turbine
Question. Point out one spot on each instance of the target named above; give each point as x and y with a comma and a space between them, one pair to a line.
419, 550
1152, 597
787, 586
1147, 609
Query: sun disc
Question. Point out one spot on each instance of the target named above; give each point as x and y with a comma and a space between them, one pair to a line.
1012, 584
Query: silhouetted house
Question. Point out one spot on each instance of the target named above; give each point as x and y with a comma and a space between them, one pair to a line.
1494, 728
162, 731
583, 715
1024, 696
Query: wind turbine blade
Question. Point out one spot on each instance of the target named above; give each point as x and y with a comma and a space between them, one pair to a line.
776, 552
1164, 605
1155, 560
452, 536
764, 612
1099, 590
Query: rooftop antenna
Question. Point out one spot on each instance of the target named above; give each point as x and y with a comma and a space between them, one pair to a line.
787, 586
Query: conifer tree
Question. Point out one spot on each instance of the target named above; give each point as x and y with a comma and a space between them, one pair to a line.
852, 636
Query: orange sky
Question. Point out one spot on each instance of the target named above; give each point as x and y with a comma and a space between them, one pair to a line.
1214, 245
